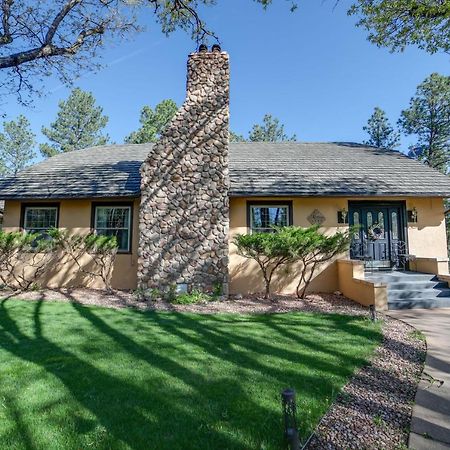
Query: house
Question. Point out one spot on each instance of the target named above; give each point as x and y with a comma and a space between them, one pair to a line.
175, 205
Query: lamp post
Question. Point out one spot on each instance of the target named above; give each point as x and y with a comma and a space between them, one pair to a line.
290, 418
373, 313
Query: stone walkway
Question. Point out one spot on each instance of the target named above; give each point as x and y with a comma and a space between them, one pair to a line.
430, 425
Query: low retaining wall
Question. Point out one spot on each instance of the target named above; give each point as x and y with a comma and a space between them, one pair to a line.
438, 266
353, 285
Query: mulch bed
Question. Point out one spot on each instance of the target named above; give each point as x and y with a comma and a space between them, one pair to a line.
374, 409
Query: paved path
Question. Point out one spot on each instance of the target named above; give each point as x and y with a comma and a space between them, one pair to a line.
430, 426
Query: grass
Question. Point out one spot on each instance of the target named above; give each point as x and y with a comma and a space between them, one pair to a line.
76, 377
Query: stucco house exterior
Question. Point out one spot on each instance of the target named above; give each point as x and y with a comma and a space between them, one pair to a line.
176, 205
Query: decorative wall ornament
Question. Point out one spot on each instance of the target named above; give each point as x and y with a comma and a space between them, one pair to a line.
316, 218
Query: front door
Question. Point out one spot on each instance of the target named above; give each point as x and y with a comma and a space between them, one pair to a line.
380, 236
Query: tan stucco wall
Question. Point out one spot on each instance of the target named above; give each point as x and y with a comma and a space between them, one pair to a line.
353, 285
75, 216
427, 238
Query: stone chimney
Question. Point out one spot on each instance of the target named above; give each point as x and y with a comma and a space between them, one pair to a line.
184, 212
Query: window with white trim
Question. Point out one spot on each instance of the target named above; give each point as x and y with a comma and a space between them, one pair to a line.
114, 221
263, 218
39, 219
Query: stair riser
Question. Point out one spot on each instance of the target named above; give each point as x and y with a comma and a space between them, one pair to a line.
426, 293
417, 286
419, 304
411, 279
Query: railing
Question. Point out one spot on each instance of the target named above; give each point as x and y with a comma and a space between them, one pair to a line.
398, 257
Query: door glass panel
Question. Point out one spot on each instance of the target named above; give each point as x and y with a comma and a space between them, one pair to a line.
356, 224
369, 220
381, 222
394, 225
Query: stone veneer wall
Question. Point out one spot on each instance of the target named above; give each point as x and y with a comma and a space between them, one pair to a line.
184, 213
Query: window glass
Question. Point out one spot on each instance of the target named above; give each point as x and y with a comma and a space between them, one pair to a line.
264, 218
40, 218
114, 221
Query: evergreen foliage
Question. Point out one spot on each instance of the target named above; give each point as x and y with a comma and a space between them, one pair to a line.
17, 144
153, 122
428, 118
79, 124
270, 130
380, 131
287, 245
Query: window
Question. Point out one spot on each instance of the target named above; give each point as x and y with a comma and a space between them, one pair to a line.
113, 220
263, 217
39, 219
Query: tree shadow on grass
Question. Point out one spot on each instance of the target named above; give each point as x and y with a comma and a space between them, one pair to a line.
140, 416
161, 398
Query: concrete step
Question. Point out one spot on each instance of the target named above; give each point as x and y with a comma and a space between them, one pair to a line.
417, 285
401, 278
399, 294
419, 303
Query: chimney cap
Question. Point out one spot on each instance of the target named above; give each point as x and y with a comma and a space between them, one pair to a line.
216, 48
203, 48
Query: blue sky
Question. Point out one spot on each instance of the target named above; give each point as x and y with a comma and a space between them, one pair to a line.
313, 69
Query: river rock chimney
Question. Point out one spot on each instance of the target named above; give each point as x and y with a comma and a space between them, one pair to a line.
184, 213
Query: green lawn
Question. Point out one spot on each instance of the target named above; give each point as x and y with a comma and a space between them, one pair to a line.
76, 377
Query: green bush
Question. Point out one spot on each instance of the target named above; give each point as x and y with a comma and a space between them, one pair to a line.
287, 245
195, 296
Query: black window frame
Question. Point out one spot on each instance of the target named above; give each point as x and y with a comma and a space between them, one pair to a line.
24, 206
112, 205
275, 203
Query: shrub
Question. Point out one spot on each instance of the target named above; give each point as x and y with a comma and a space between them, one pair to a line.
287, 245
189, 298
24, 257
102, 250
269, 250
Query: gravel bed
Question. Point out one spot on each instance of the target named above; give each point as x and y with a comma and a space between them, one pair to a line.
324, 303
374, 410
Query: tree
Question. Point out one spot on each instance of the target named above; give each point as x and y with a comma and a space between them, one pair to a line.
79, 124
269, 131
153, 122
312, 248
64, 37
234, 137
16, 146
381, 133
269, 250
398, 23
428, 117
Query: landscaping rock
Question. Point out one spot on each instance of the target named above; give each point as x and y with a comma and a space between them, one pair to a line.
375, 407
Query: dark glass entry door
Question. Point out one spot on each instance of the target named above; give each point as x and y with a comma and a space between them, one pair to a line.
380, 235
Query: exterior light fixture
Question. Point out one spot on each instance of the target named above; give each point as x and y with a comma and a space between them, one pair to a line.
412, 215
343, 216
290, 418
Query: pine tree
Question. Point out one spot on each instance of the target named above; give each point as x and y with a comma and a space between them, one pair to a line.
79, 124
153, 122
428, 118
380, 131
269, 131
16, 146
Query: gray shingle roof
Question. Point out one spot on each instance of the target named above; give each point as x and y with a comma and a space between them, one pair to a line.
291, 169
